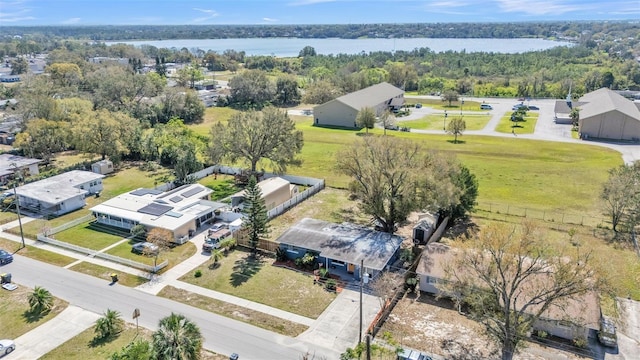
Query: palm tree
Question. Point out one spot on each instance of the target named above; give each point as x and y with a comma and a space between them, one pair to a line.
177, 338
109, 325
216, 255
40, 300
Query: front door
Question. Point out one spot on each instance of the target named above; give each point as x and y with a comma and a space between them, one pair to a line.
351, 268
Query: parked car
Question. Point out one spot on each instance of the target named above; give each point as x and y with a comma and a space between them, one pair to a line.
5, 257
219, 226
607, 333
486, 107
518, 106
6, 346
145, 248
409, 354
418, 106
533, 107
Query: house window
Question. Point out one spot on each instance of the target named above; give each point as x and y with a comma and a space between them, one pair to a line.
337, 262
291, 249
565, 324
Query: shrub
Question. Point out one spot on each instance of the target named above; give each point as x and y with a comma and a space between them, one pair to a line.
580, 342
198, 273
324, 273
542, 334
331, 285
281, 254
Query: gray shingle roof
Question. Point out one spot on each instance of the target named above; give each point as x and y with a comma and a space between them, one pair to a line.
344, 242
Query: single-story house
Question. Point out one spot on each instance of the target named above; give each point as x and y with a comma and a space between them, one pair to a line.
341, 246
606, 115
343, 111
103, 167
10, 164
59, 194
182, 210
275, 191
576, 318
424, 228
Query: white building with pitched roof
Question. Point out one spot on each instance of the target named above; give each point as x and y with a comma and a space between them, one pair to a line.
182, 210
343, 111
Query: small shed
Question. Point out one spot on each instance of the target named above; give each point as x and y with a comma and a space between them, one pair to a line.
424, 228
102, 167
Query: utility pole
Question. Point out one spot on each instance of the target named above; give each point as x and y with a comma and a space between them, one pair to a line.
361, 285
17, 199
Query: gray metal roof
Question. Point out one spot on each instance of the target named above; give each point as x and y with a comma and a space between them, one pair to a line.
371, 96
344, 242
605, 100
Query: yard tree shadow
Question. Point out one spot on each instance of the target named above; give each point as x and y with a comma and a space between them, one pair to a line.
456, 142
245, 268
32, 316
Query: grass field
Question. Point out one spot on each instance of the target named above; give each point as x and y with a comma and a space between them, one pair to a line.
259, 281
222, 185
444, 105
105, 274
255, 318
174, 255
82, 347
436, 122
14, 317
36, 253
523, 127
83, 235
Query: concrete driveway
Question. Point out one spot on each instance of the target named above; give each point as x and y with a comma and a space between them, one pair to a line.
628, 331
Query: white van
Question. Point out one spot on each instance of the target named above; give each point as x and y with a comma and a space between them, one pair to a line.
485, 107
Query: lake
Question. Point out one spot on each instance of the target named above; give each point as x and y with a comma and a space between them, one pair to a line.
290, 47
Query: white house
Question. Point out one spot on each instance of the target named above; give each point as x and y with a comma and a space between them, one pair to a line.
182, 210
573, 319
10, 164
102, 167
59, 194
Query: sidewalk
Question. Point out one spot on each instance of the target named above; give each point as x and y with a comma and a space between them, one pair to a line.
55, 332
337, 327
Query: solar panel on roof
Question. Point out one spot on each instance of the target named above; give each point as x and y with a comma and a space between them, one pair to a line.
192, 192
142, 192
174, 214
155, 209
176, 199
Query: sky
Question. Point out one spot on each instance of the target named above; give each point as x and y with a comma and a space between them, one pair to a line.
223, 12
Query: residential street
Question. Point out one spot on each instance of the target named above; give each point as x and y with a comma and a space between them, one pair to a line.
222, 335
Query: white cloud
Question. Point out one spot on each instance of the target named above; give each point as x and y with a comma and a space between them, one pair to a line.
539, 7
269, 19
209, 14
19, 12
71, 21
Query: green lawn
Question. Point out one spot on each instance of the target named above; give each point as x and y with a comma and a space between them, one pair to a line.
14, 315
436, 122
36, 253
444, 105
82, 347
211, 116
536, 174
84, 235
174, 255
222, 185
255, 318
259, 281
105, 274
523, 127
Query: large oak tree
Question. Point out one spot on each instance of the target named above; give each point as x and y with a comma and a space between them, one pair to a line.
510, 277
254, 136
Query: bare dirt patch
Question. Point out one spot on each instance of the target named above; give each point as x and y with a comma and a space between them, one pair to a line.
433, 326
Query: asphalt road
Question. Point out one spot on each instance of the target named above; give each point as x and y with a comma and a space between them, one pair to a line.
221, 335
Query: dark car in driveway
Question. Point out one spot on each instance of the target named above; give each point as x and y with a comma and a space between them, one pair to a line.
533, 107
5, 257
146, 248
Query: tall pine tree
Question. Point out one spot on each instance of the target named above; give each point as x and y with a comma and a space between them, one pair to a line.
256, 222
